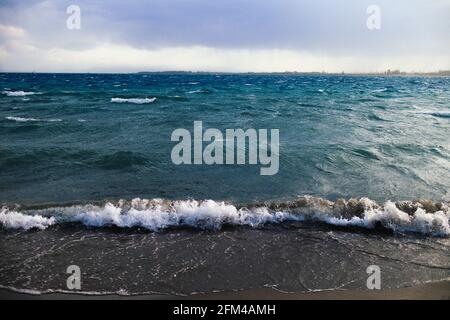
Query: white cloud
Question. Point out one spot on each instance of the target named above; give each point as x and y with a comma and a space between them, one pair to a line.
120, 58
272, 35
11, 32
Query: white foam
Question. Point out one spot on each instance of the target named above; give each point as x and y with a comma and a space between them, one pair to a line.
133, 100
435, 224
380, 90
159, 214
19, 93
21, 119
17, 220
196, 91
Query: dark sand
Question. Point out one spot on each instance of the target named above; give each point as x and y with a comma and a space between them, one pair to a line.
430, 291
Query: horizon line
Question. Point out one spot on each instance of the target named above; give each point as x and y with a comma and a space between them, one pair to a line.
387, 72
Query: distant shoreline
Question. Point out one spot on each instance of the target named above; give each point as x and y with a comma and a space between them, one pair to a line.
445, 73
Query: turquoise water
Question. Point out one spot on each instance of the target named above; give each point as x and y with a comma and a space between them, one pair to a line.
77, 150
63, 138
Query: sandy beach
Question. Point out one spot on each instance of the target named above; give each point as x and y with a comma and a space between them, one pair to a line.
430, 291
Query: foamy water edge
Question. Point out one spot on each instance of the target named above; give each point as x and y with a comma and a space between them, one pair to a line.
424, 217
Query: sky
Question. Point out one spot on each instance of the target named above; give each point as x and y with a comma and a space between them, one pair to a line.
225, 35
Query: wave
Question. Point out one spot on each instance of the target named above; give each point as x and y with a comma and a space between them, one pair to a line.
133, 100
441, 114
120, 292
88, 158
199, 91
17, 220
121, 160
424, 217
19, 93
21, 119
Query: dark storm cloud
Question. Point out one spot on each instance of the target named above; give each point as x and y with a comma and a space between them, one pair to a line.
33, 34
294, 24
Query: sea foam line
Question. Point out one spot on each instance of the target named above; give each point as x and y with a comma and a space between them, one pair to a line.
133, 100
17, 220
21, 119
158, 214
19, 93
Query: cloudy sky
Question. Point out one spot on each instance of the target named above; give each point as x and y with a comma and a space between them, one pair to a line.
224, 35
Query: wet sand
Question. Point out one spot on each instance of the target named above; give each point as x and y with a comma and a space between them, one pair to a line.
430, 291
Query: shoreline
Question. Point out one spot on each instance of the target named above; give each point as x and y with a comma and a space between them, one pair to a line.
439, 290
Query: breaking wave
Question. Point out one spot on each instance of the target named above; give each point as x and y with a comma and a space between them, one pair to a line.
199, 91
19, 93
21, 119
441, 114
133, 100
425, 216
17, 220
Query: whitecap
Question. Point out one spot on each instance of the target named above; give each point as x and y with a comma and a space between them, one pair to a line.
21, 119
19, 93
17, 220
160, 214
196, 91
380, 90
133, 100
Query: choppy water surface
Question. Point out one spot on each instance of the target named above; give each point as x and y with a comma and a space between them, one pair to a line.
73, 145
